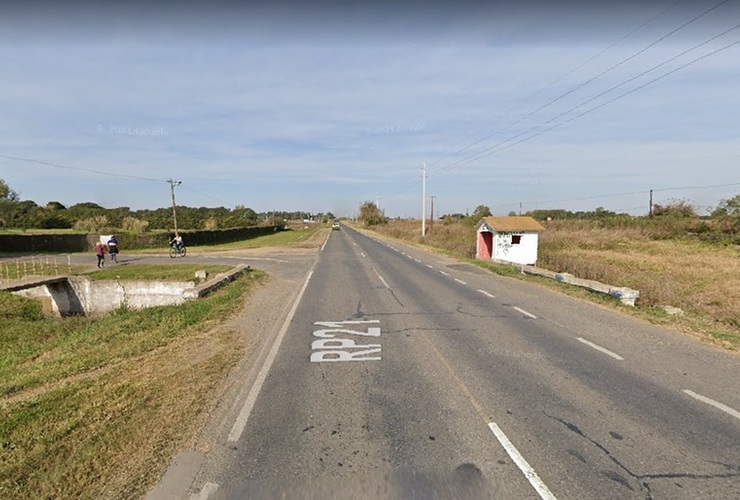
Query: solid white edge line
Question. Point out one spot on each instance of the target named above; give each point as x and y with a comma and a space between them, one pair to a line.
241, 420
526, 313
601, 349
487, 294
205, 492
727, 409
519, 460
325, 242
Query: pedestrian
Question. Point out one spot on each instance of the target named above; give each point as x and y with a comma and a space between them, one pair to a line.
100, 252
113, 248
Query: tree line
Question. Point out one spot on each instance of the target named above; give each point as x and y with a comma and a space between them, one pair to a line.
87, 216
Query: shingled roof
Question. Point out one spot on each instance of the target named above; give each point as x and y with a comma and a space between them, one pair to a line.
511, 224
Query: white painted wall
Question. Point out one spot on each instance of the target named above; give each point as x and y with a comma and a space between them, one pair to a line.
523, 253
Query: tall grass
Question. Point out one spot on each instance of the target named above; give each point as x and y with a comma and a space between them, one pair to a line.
667, 260
93, 408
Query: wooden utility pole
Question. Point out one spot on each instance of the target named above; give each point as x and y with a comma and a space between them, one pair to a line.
174, 207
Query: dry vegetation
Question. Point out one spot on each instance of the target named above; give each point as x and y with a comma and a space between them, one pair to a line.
667, 266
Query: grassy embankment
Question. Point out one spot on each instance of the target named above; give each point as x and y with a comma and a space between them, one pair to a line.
667, 267
95, 407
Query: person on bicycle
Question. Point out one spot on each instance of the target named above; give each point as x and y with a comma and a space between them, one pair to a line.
177, 243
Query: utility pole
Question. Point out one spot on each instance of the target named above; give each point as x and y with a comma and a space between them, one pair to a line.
431, 215
173, 184
424, 199
520, 208
650, 208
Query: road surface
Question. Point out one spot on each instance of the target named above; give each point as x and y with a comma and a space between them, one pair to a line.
398, 373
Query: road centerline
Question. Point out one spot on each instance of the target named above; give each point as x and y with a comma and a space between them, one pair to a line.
600, 349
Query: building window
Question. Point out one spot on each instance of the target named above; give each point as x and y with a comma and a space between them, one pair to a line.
516, 239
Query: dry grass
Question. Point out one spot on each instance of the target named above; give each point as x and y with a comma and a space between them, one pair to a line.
700, 278
139, 387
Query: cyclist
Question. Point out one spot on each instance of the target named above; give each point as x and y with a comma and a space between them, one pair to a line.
177, 243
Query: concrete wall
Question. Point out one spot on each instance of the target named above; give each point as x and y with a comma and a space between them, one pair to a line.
84, 296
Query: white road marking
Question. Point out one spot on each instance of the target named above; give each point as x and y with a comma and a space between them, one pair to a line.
519, 460
417, 260
599, 348
362, 253
460, 281
430, 266
525, 312
727, 409
241, 420
487, 294
446, 274
205, 491
384, 283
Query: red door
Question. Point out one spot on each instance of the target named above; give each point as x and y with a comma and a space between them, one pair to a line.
485, 245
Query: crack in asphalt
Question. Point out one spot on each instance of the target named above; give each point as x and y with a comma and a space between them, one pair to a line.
640, 478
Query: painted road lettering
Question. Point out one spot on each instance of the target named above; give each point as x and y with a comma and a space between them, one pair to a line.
333, 345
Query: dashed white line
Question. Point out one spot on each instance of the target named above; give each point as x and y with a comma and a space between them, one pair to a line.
526, 313
430, 266
519, 460
601, 349
446, 274
362, 253
384, 282
460, 281
727, 409
417, 260
487, 294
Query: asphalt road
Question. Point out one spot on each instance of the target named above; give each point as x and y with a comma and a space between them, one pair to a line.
400, 374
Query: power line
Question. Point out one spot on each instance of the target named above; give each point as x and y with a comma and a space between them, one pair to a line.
641, 51
492, 149
404, 183
56, 165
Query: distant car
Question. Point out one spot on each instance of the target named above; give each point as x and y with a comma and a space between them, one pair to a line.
335, 226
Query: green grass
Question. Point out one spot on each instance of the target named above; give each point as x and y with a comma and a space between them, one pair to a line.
179, 272
94, 407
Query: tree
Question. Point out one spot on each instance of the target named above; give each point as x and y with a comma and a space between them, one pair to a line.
370, 214
727, 215
675, 208
480, 212
728, 208
7, 194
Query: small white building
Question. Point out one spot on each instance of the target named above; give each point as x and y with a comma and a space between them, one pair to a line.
509, 239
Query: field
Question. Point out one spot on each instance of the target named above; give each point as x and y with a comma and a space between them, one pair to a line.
94, 408
700, 278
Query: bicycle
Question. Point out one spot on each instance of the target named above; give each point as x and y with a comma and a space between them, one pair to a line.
176, 251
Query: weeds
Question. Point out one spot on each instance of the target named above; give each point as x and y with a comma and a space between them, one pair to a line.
93, 407
662, 259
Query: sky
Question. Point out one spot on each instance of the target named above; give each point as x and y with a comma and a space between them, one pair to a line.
321, 106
